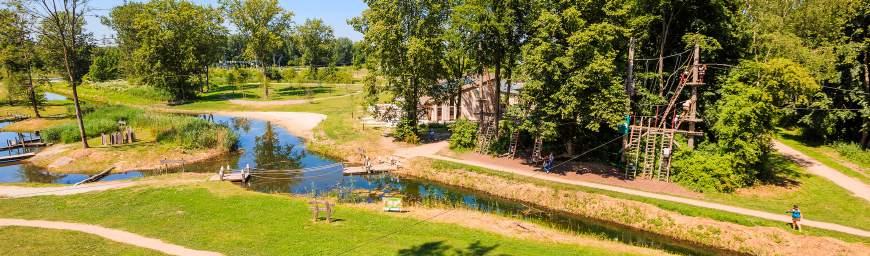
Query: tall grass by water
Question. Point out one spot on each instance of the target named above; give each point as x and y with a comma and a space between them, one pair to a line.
185, 131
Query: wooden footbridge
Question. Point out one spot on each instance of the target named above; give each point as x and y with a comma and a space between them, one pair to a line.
368, 167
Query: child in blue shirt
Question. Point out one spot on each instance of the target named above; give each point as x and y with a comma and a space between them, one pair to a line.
795, 217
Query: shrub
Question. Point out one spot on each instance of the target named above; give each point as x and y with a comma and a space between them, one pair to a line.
706, 169
463, 134
405, 132
852, 152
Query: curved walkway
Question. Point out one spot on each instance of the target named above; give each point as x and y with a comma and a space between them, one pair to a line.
111, 234
855, 186
430, 150
17, 191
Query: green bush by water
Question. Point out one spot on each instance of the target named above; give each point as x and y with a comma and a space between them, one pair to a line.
186, 131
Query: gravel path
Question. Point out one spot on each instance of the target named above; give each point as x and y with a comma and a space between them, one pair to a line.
855, 186
111, 234
17, 191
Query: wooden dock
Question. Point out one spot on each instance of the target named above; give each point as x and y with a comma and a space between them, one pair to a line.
23, 145
232, 176
96, 177
16, 157
362, 170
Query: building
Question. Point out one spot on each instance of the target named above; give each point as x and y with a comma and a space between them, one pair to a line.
476, 101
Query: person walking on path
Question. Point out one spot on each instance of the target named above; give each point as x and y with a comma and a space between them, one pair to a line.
548, 164
795, 217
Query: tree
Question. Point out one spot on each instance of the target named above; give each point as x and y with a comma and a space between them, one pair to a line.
263, 23
403, 39
17, 54
62, 31
754, 96
343, 49
570, 57
105, 65
171, 42
315, 41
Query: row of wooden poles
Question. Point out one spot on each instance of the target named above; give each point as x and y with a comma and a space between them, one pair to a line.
125, 136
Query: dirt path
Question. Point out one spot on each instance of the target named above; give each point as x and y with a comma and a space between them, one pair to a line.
298, 123
855, 186
111, 234
427, 151
269, 103
17, 192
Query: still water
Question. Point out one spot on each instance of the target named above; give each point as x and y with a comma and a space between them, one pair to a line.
281, 164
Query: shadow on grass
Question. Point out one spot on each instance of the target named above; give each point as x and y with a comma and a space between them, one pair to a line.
801, 139
439, 248
301, 90
781, 171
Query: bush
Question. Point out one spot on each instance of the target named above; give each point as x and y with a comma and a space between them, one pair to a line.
853, 152
463, 134
405, 132
706, 169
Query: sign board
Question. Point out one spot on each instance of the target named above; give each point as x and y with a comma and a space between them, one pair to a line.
392, 204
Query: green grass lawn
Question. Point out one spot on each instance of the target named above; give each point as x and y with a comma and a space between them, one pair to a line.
278, 91
690, 210
223, 217
36, 241
822, 153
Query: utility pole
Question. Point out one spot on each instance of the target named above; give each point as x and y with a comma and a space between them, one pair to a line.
693, 100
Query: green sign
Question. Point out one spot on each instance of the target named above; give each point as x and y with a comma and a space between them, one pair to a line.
392, 204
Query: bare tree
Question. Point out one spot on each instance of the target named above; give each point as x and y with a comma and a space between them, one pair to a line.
63, 21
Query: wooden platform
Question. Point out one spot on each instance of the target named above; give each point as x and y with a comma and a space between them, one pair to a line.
232, 177
361, 170
16, 157
24, 145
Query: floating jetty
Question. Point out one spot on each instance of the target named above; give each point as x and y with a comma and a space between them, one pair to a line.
23, 145
370, 169
227, 174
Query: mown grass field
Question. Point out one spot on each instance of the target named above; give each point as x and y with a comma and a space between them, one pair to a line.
685, 209
26, 241
223, 217
278, 91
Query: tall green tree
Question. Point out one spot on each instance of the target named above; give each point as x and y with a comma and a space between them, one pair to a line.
403, 38
62, 31
343, 51
570, 58
315, 41
17, 58
105, 65
171, 42
264, 24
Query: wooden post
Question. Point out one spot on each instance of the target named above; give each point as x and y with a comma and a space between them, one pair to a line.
694, 98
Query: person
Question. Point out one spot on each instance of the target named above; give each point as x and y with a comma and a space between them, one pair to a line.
549, 163
795, 217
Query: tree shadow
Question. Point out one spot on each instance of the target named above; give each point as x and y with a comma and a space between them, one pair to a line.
781, 170
301, 90
439, 248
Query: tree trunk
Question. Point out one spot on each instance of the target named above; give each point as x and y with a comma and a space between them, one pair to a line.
70, 70
510, 76
864, 135
265, 84
661, 64
497, 103
207, 84
33, 101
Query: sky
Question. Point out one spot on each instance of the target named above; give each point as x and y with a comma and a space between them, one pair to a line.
333, 12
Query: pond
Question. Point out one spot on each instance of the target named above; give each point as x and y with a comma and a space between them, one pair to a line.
282, 165
50, 96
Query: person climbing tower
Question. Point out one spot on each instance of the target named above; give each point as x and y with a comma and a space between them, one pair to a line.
795, 217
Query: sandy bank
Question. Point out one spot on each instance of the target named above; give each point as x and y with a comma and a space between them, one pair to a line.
298, 123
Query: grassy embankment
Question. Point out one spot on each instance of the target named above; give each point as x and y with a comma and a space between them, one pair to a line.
854, 165
225, 218
684, 209
158, 136
22, 241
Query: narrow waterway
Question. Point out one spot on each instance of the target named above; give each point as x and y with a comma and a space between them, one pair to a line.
282, 165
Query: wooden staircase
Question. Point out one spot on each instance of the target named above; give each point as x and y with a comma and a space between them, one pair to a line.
537, 150
484, 137
515, 141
